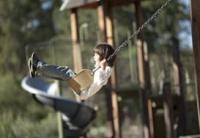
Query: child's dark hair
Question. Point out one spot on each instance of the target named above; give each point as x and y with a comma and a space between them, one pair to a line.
104, 50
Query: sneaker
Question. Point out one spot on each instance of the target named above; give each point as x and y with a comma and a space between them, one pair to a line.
32, 64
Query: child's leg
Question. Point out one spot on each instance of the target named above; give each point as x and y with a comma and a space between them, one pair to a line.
54, 71
36, 66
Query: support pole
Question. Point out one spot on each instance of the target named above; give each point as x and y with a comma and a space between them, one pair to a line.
75, 40
101, 21
168, 110
143, 71
195, 4
180, 81
107, 28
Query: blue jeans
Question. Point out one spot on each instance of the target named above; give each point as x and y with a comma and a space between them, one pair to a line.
55, 72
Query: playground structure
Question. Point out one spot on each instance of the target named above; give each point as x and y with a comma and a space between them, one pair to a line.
151, 105
106, 27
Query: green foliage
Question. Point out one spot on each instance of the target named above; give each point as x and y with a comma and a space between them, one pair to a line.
165, 29
22, 22
20, 127
11, 97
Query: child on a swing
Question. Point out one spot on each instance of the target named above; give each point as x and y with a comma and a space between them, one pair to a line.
101, 53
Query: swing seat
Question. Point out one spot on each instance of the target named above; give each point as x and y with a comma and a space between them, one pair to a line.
81, 81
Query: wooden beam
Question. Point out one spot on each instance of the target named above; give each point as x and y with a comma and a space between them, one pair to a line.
143, 73
142, 52
180, 82
115, 3
101, 21
106, 28
75, 40
195, 4
151, 119
168, 110
110, 40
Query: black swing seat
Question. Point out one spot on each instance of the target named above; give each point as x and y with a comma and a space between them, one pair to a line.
79, 114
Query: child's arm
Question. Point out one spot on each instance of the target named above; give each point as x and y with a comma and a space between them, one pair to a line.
100, 79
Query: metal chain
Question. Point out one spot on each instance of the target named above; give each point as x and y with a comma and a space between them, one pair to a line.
125, 43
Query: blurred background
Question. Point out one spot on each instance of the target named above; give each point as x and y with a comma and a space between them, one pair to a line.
39, 25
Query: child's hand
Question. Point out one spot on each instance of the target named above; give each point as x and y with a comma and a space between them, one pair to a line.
103, 64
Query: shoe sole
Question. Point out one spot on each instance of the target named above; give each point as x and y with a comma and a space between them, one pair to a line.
30, 66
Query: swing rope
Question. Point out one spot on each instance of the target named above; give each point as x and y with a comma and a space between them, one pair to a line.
154, 16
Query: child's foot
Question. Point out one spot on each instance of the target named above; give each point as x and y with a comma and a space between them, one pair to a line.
32, 64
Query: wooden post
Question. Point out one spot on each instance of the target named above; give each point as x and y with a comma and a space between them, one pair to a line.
144, 73
151, 118
101, 21
195, 4
75, 41
59, 115
168, 110
102, 38
106, 27
179, 79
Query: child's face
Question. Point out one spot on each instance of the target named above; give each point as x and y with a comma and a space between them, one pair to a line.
96, 59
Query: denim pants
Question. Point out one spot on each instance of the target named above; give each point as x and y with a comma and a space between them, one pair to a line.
55, 72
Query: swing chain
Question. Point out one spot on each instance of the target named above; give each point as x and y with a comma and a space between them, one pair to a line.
154, 16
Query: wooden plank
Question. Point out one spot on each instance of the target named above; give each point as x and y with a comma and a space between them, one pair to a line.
110, 40
151, 119
101, 21
168, 110
94, 4
179, 81
77, 62
195, 4
75, 40
143, 73
106, 27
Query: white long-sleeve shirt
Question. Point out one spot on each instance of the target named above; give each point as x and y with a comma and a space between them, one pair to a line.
101, 77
